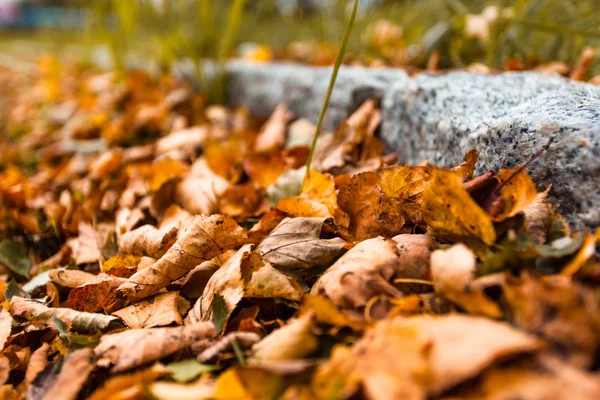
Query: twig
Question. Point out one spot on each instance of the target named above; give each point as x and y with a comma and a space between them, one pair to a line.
527, 163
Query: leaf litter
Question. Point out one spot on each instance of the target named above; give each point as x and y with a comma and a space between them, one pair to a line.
180, 254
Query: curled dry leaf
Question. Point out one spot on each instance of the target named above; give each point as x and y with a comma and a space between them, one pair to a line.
360, 274
5, 327
197, 279
413, 256
95, 295
294, 340
296, 244
451, 214
163, 309
70, 278
452, 272
411, 358
467, 168
243, 339
73, 375
205, 238
133, 348
515, 196
198, 191
147, 241
75, 320
538, 218
245, 274
202, 389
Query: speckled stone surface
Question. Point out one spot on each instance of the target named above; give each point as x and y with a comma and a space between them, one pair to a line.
261, 87
507, 118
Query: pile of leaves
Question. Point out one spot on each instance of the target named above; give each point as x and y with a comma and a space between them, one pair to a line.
154, 247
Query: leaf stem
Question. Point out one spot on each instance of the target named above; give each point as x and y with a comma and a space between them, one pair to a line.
336, 68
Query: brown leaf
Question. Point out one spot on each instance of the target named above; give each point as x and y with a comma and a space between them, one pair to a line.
245, 274
197, 279
70, 278
409, 358
452, 272
272, 135
244, 340
73, 375
78, 321
467, 168
205, 238
147, 241
163, 309
538, 218
371, 214
546, 306
164, 170
265, 168
294, 340
198, 194
360, 274
201, 389
518, 193
450, 212
5, 327
95, 295
413, 261
129, 386
37, 363
295, 243
133, 348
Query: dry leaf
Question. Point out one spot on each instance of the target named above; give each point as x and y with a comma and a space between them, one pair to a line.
163, 309
294, 340
97, 294
73, 375
272, 135
467, 168
205, 238
37, 363
147, 241
5, 327
202, 389
405, 185
451, 214
360, 274
75, 320
516, 195
245, 274
296, 244
70, 278
129, 386
248, 383
410, 358
136, 347
413, 256
538, 218
452, 272
371, 214
318, 199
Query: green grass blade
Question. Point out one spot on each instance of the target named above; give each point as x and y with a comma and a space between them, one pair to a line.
336, 68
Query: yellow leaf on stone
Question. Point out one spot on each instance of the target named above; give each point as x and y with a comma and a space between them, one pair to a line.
518, 193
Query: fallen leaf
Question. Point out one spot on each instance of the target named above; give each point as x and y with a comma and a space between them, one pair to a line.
187, 370
371, 213
360, 274
78, 321
163, 309
245, 274
452, 272
95, 295
412, 358
70, 278
164, 170
404, 186
467, 168
136, 347
5, 327
205, 238
73, 375
296, 244
318, 199
37, 363
451, 214
272, 135
248, 383
516, 194
129, 386
147, 241
202, 389
294, 340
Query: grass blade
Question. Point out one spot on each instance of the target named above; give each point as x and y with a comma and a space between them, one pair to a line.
336, 68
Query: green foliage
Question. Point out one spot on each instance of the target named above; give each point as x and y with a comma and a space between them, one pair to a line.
13, 255
187, 370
